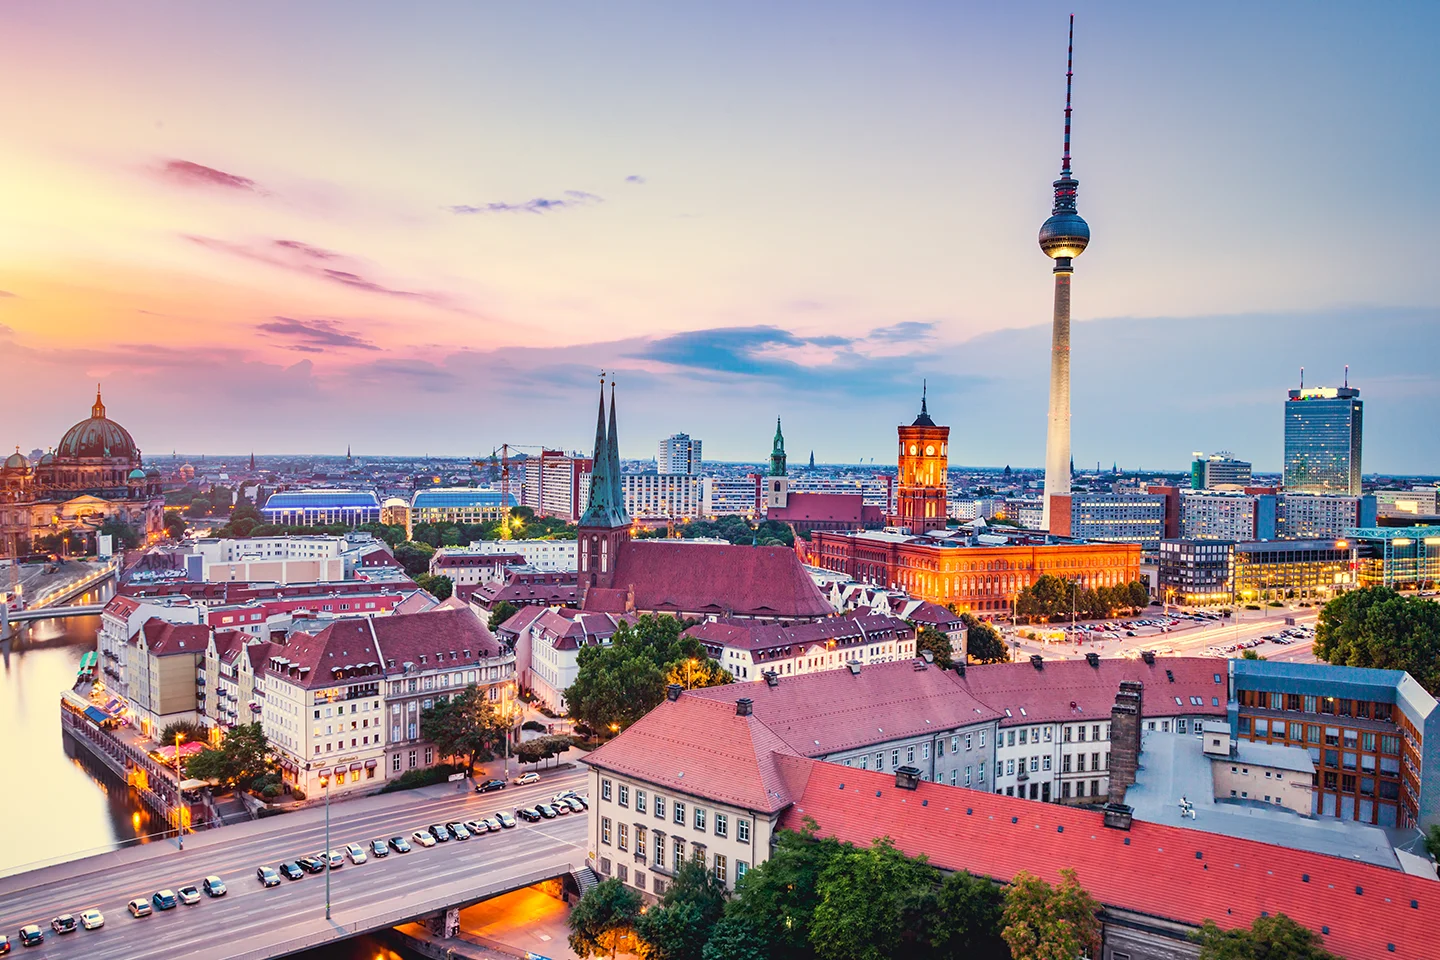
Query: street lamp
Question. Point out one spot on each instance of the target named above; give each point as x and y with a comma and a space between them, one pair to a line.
689, 665
325, 782
179, 797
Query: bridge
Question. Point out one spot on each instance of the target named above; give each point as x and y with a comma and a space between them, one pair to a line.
252, 922
56, 613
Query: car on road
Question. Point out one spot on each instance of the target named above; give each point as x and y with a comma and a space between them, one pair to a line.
291, 870
546, 811
312, 864
139, 907
506, 821
575, 804
355, 852
379, 849
188, 894
400, 844
491, 824
334, 859
166, 899
92, 919
528, 814
489, 786
581, 799
64, 923
438, 831
458, 831
560, 807
4, 944
476, 827
31, 935
268, 877
424, 839
213, 886
525, 779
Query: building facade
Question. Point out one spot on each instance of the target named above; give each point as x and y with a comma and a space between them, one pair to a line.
1398, 557
1293, 568
1119, 517
924, 461
1306, 516
1227, 516
468, 505
1219, 471
557, 484
1415, 502
679, 453
1323, 431
733, 496
749, 649
1196, 571
314, 508
663, 496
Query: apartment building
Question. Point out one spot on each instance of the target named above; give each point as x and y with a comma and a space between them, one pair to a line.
1215, 515
163, 661
1308, 516
750, 649
663, 496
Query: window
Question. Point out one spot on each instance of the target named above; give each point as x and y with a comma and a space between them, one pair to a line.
639, 801
677, 850
1048, 733
722, 825
939, 748
394, 762
742, 831
925, 750
624, 838
740, 868
680, 813
659, 807
721, 868
1023, 734
955, 743
624, 795
967, 774
429, 754
659, 851
895, 758
605, 830
909, 754
1066, 737
700, 818
980, 773
1065, 763
1046, 764
879, 761
604, 789
640, 843
411, 758
1009, 768
1010, 738
982, 743
1035, 764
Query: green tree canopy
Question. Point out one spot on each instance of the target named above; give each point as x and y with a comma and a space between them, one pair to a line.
983, 643
1377, 627
871, 903
501, 612
603, 921
1268, 938
467, 725
928, 638
734, 939
189, 731
678, 927
414, 557
438, 586
777, 899
243, 756
125, 536
967, 921
1050, 923
174, 525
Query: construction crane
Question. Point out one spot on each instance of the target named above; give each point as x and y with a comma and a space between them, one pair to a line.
503, 451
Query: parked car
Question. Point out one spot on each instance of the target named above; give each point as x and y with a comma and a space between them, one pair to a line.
311, 864
438, 831
546, 811
491, 824
574, 804
476, 827
64, 923
424, 839
505, 819
355, 852
400, 844
268, 877
559, 806
379, 849
333, 859
525, 779
189, 895
528, 814
458, 831
166, 899
139, 908
489, 786
291, 870
213, 886
31, 935
92, 919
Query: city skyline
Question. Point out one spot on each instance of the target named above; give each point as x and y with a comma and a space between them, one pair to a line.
250, 250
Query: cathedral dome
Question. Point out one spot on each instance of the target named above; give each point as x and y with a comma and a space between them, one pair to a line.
96, 437
137, 474
17, 461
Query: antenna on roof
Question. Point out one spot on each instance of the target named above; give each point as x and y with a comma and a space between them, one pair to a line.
1347, 374
1069, 64
1302, 378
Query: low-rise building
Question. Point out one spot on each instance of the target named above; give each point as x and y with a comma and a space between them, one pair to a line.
547, 645
468, 505
1196, 571
1399, 557
121, 620
467, 567
234, 667
1260, 772
321, 507
551, 556
749, 649
1415, 502
1292, 568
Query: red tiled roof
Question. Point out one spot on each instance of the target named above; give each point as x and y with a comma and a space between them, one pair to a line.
453, 561
572, 629
932, 614
702, 747
441, 636
522, 619
1073, 690
343, 645
821, 713
259, 654
819, 506
122, 606
164, 639
1176, 873
228, 645
758, 637
719, 578
379, 557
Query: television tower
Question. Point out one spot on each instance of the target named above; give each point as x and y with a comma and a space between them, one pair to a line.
1063, 237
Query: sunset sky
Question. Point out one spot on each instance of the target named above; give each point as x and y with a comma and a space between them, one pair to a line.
424, 228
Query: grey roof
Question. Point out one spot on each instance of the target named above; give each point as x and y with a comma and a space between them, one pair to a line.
1274, 755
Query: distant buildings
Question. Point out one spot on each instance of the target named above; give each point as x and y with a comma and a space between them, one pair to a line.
467, 505
1216, 515
664, 496
279, 560
1218, 471
678, 454
1119, 517
924, 458
1415, 502
1304, 516
322, 507
556, 484
1323, 430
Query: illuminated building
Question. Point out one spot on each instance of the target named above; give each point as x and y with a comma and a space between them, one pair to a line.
468, 505
920, 501
1323, 429
1217, 515
1304, 516
1119, 517
1399, 557
1062, 237
1196, 571
1415, 502
667, 496
1219, 471
1293, 568
678, 454
557, 484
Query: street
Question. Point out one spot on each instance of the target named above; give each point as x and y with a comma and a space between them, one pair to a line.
251, 918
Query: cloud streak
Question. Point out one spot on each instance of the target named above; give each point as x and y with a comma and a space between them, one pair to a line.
314, 336
634, 178
189, 174
570, 200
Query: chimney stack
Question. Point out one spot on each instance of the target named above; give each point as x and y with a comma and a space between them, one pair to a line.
928, 655
772, 679
907, 778
744, 707
1125, 739
1037, 661
1148, 656
854, 666
1093, 659
672, 692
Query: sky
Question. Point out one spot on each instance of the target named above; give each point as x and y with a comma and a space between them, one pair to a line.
425, 228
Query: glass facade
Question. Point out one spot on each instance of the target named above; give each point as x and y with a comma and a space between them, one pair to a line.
1322, 440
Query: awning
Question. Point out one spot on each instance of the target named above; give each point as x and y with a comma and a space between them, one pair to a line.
356, 765
96, 714
371, 764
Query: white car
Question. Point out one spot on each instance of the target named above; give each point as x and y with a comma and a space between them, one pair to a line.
423, 838
525, 779
355, 852
92, 919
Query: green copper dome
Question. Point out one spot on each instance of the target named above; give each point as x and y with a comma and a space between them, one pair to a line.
96, 437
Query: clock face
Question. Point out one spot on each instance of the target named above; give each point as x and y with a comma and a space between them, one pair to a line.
912, 449
930, 451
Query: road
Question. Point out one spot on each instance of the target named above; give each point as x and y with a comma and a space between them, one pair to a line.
252, 921
1191, 639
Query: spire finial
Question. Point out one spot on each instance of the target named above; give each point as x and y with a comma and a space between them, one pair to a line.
1069, 73
924, 393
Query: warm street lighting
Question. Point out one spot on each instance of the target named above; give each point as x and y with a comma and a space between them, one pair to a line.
325, 782
179, 798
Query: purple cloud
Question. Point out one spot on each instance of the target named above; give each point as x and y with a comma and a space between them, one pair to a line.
313, 336
189, 174
301, 257
571, 199
634, 178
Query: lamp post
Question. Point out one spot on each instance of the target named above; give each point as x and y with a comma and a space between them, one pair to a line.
179, 797
325, 782
689, 680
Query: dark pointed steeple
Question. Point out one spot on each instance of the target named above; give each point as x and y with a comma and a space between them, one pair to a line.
777, 452
923, 420
617, 485
603, 509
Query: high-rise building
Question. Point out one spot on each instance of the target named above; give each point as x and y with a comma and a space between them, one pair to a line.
678, 454
1218, 471
663, 496
557, 484
1063, 237
1304, 516
1323, 426
924, 459
1206, 515
1119, 517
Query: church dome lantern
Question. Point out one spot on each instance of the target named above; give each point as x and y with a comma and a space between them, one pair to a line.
97, 437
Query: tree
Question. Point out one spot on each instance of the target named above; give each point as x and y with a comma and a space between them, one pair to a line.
776, 900
438, 586
678, 927
190, 732
1432, 841
968, 912
174, 525
870, 902
542, 748
982, 642
938, 644
1050, 923
501, 612
243, 756
603, 921
125, 536
414, 557
734, 939
467, 725
1269, 938
1377, 627
199, 507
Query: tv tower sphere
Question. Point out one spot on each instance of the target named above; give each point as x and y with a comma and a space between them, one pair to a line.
1065, 235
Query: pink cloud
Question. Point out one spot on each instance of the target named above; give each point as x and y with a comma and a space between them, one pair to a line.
189, 174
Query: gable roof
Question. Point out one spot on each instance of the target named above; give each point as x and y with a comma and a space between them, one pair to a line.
164, 639
443, 636
1176, 873
1074, 690
520, 620
313, 661
771, 640
718, 578
702, 747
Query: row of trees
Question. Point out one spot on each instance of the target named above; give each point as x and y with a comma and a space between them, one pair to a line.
618, 683
1377, 627
734, 529
818, 899
1053, 598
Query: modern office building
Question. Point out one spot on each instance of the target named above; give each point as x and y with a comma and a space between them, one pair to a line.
1415, 502
314, 508
468, 505
1196, 571
1207, 515
1399, 557
1219, 471
1293, 568
1304, 516
678, 454
732, 496
1323, 428
1119, 517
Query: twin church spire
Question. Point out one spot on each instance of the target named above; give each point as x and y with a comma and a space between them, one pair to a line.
606, 506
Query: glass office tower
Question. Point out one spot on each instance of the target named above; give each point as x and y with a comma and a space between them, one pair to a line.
1322, 440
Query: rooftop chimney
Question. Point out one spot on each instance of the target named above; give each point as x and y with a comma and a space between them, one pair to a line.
907, 778
959, 668
1037, 661
1148, 656
672, 692
744, 707
1093, 659
928, 656
854, 666
1118, 816
772, 679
